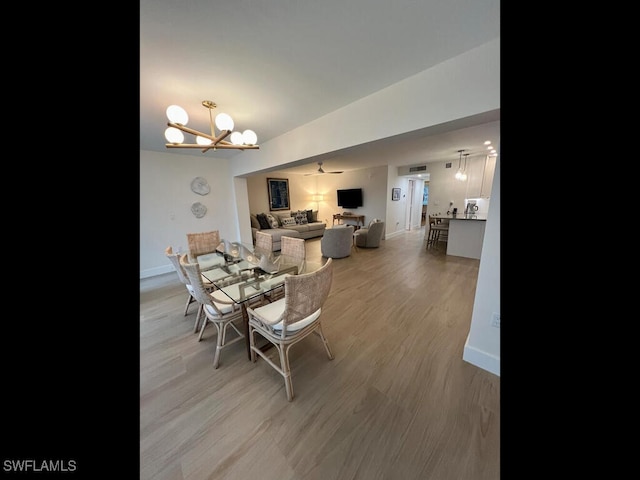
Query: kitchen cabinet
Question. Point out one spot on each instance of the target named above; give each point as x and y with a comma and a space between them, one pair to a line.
487, 178
475, 166
480, 176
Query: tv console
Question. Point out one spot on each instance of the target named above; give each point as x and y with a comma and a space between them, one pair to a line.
341, 216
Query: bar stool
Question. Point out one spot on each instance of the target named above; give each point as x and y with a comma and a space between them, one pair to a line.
438, 232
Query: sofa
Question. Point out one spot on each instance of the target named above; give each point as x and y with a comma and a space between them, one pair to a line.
294, 223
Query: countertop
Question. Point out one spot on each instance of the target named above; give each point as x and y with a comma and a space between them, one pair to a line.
461, 216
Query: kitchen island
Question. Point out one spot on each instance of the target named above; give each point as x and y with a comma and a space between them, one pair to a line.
466, 234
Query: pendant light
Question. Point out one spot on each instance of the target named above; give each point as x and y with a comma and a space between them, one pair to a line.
459, 172
463, 177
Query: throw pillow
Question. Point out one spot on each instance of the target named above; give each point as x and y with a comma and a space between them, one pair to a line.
273, 221
288, 222
309, 216
280, 217
315, 216
301, 217
262, 220
254, 222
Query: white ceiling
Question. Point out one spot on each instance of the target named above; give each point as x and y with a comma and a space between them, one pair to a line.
274, 65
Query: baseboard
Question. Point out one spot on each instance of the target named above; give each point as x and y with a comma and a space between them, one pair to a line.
152, 272
484, 360
393, 234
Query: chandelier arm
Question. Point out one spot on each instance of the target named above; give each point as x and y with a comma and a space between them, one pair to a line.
215, 140
235, 147
211, 122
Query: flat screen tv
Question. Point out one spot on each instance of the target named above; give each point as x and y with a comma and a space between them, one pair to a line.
351, 198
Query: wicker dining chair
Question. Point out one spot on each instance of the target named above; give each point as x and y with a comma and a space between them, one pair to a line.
202, 243
293, 252
289, 320
264, 241
182, 275
222, 315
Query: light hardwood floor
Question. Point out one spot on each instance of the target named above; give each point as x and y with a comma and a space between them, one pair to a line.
397, 402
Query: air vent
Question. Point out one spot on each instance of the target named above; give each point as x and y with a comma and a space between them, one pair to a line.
414, 171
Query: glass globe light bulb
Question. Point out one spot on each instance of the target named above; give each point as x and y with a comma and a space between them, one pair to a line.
173, 135
458, 175
249, 137
224, 122
177, 114
236, 138
203, 141
463, 177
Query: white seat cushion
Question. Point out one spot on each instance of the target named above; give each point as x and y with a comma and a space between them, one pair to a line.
224, 308
220, 297
273, 311
209, 261
278, 279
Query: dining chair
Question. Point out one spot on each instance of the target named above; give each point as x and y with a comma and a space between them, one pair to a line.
182, 275
202, 243
264, 241
291, 319
293, 252
221, 314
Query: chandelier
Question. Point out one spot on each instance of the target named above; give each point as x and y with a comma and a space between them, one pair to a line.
178, 119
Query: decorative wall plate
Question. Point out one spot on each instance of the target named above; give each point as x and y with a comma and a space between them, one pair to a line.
198, 209
200, 186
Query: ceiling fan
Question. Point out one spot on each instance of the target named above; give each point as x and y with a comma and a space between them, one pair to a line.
320, 171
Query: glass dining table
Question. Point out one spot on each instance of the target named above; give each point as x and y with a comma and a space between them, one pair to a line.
245, 273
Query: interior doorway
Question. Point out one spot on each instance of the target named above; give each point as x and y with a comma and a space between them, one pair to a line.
410, 207
425, 202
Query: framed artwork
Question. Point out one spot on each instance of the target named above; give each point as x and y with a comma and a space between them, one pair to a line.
395, 194
278, 193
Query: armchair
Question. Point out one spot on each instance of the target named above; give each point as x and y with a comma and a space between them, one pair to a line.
337, 242
370, 237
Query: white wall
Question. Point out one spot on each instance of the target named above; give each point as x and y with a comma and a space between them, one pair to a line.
396, 210
482, 347
165, 205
